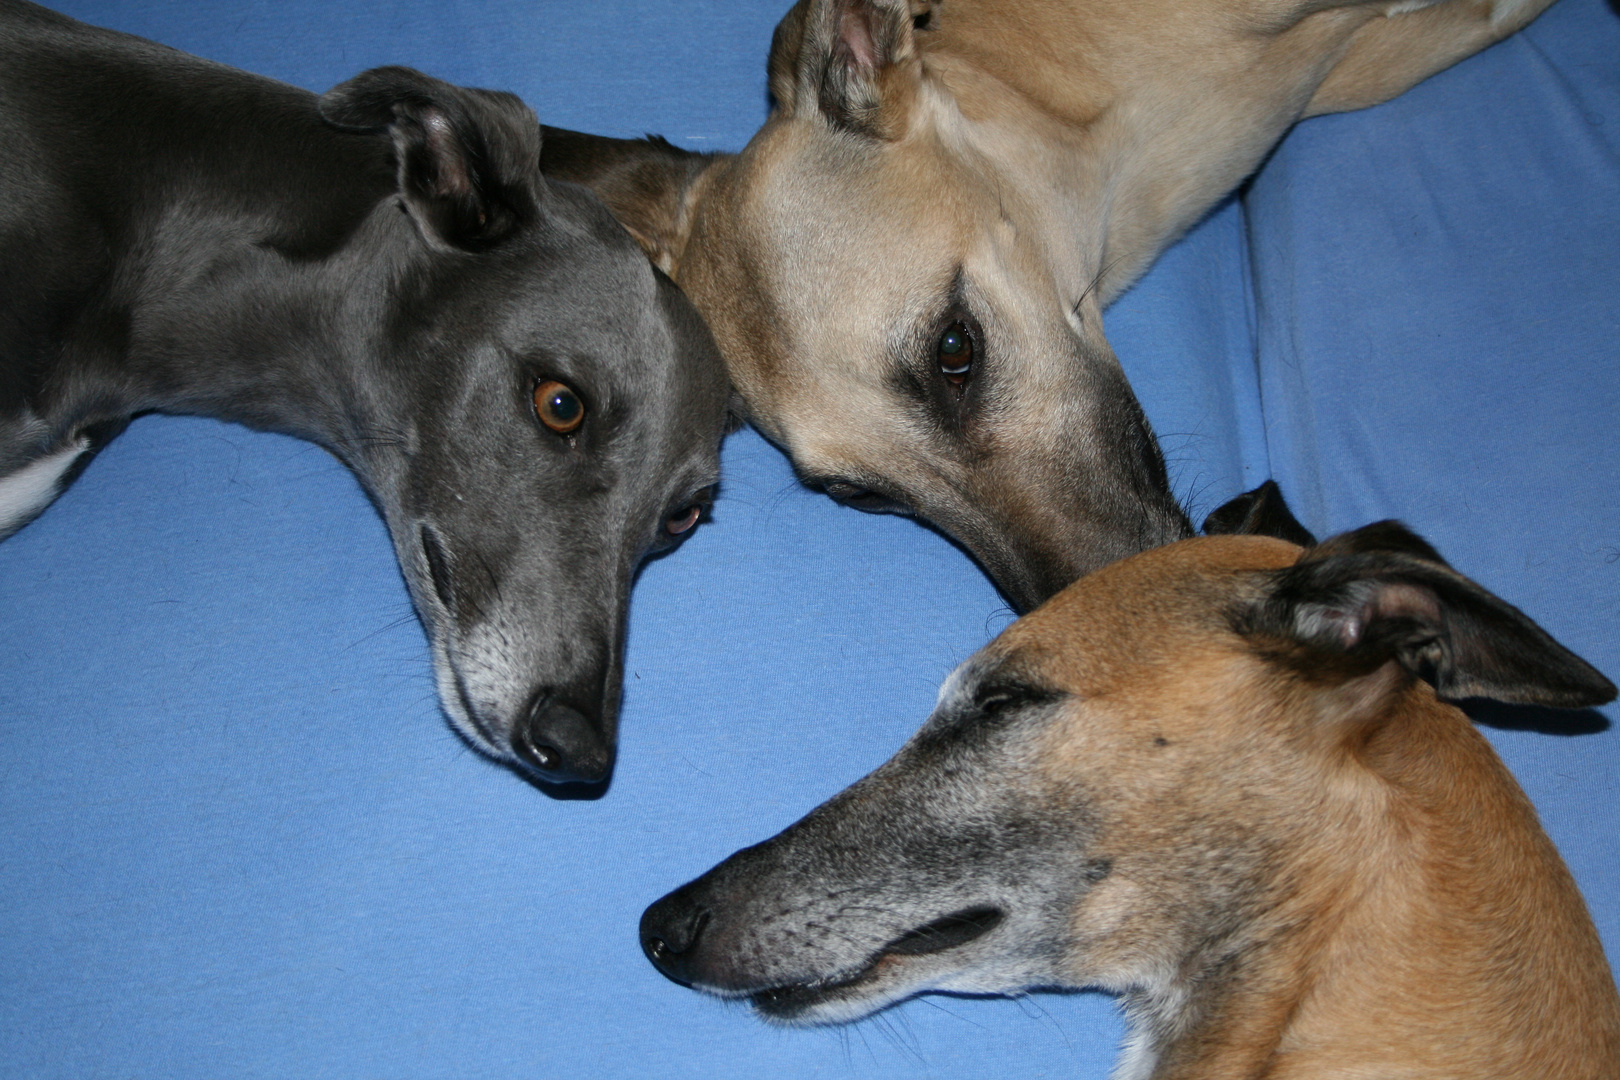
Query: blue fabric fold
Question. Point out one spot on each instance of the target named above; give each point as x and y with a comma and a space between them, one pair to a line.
238, 839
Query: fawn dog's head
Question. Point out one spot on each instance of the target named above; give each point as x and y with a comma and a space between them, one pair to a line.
906, 267
902, 281
892, 264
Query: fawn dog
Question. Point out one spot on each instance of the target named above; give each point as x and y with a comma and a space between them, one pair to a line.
906, 267
385, 271
1221, 779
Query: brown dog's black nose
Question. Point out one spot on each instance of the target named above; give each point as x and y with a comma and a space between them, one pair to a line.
670, 930
561, 744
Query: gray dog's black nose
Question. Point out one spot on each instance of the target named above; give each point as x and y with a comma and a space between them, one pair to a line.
561, 744
670, 930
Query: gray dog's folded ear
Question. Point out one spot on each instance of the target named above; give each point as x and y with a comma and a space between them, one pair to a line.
854, 61
469, 160
1381, 593
1259, 512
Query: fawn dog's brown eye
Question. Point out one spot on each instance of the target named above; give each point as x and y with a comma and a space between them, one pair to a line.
558, 407
955, 352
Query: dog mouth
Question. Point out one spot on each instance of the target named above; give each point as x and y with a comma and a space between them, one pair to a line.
948, 932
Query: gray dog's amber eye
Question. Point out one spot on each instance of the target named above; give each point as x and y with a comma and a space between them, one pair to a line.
558, 407
955, 353
682, 520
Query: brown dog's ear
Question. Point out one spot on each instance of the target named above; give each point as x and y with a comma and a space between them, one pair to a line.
1261, 512
468, 160
649, 185
854, 61
1381, 593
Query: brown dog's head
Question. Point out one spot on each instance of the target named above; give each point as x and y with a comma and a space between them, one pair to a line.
905, 284
1132, 786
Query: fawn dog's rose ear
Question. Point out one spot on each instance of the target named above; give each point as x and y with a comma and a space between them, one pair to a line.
469, 160
1380, 593
853, 61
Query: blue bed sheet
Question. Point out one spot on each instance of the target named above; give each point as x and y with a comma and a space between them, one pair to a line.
238, 839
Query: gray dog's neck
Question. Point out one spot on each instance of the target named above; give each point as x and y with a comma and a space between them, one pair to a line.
221, 279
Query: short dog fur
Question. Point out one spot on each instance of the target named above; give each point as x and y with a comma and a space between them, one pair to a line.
1221, 779
384, 271
906, 267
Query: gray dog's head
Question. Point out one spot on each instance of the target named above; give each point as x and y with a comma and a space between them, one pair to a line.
543, 412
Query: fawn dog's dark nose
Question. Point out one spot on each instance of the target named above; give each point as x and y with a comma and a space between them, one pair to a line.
670, 930
560, 743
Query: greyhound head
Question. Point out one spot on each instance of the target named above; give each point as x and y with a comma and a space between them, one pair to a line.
906, 282
541, 411
961, 382
906, 266
1132, 788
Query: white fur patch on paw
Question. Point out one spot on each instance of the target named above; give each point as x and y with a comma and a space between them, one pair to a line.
32, 488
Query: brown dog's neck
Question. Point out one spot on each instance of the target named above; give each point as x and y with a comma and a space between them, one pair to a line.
1442, 908
1165, 106
1126, 125
1142, 115
1125, 122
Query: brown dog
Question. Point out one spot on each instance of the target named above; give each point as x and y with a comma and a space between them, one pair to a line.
1218, 778
906, 267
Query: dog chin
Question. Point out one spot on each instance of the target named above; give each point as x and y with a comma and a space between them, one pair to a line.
848, 1000
927, 958
454, 700
834, 1001
886, 981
